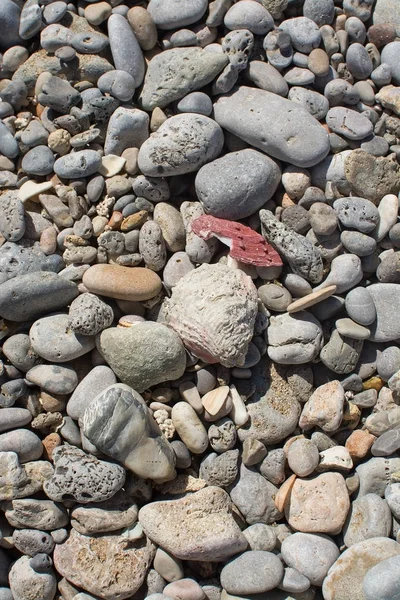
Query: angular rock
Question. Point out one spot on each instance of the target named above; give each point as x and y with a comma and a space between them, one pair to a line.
372, 176
88, 315
112, 567
280, 128
119, 424
199, 526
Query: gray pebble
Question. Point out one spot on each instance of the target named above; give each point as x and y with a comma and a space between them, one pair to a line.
388, 362
348, 123
369, 517
196, 102
250, 485
304, 33
53, 378
54, 12
172, 15
89, 43
294, 338
38, 161
31, 19
388, 269
119, 84
11, 390
386, 444
52, 340
358, 243
275, 297
8, 144
125, 49
176, 267
34, 135
293, 581
12, 217
220, 469
382, 580
266, 77
358, 61
322, 12
9, 21
155, 189
97, 380
26, 444
300, 549
59, 95
255, 18
253, 572
297, 286
152, 246
32, 541
389, 56
79, 164
303, 457
360, 306
375, 474
386, 297
260, 537
341, 354
14, 418
237, 185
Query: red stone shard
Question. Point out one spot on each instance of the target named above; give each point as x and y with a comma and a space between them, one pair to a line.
246, 245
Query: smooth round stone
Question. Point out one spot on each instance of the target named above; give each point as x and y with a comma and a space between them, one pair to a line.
360, 306
172, 138
357, 213
300, 551
322, 12
26, 444
124, 348
248, 15
184, 589
119, 84
296, 285
237, 185
53, 378
89, 43
171, 14
52, 339
123, 283
280, 128
388, 362
304, 33
14, 418
266, 77
298, 76
54, 12
143, 26
369, 517
38, 161
79, 164
9, 24
125, 49
349, 570
390, 56
167, 566
348, 328
27, 579
386, 297
275, 297
8, 144
316, 104
358, 61
303, 457
196, 102
253, 572
348, 123
177, 266
383, 580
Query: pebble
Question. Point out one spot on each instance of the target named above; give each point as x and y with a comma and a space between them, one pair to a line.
125, 49
253, 572
300, 549
369, 517
80, 164
382, 579
171, 15
26, 444
53, 378
124, 283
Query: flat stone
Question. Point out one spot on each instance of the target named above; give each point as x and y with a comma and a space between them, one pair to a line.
347, 327
24, 442
36, 514
104, 517
54, 341
26, 297
123, 410
171, 150
124, 348
14, 418
310, 511
112, 567
360, 306
372, 176
172, 15
311, 299
54, 379
127, 128
357, 213
199, 526
123, 283
276, 126
79, 164
19, 260
352, 566
174, 73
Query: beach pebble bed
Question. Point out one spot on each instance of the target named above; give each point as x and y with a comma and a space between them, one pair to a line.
199, 300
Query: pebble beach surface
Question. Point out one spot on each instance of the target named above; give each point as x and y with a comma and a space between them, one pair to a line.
199, 300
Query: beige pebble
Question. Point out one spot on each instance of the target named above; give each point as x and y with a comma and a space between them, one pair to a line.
131, 156
48, 241
319, 504
238, 413
134, 221
254, 452
143, 27
324, 408
318, 62
335, 459
167, 565
125, 283
158, 117
311, 299
30, 189
184, 589
111, 165
97, 13
189, 427
190, 394
284, 492
99, 223
59, 141
215, 400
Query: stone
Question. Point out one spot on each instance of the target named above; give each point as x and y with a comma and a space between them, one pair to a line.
203, 521
303, 457
226, 187
254, 497
88, 315
54, 341
36, 514
357, 213
167, 566
104, 517
124, 349
26, 583
18, 260
253, 572
9, 21
365, 555
360, 306
127, 128
244, 109
382, 580
301, 255
175, 73
26, 444
189, 427
260, 537
13, 477
294, 338
126, 52
106, 566
13, 418
387, 443
143, 27
32, 542
324, 408
184, 588
97, 380
311, 554
196, 102
124, 283
385, 297
79, 164
304, 33
375, 474
54, 379
372, 176
182, 144
220, 469
369, 517
141, 448
319, 504
34, 294
171, 14
12, 217
82, 477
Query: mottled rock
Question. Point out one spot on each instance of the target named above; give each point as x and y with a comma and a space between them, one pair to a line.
12, 216
369, 517
311, 554
254, 496
88, 315
294, 338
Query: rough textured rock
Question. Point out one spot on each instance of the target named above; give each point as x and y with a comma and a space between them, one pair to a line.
372, 177
112, 567
131, 436
12, 219
199, 526
216, 327
89, 315
82, 477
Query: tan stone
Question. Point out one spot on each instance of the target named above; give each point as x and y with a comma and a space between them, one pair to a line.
215, 400
50, 442
125, 283
131, 165
189, 392
199, 526
30, 190
318, 62
134, 221
359, 443
311, 299
389, 97
112, 567
324, 408
283, 495
97, 13
181, 485
318, 504
143, 27
189, 427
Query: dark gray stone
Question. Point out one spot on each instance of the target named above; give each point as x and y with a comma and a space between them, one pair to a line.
59, 95
32, 541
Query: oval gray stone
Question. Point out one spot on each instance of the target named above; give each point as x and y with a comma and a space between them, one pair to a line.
369, 517
182, 144
52, 339
357, 213
125, 49
53, 378
386, 297
95, 382
300, 551
252, 572
278, 127
237, 185
172, 14
383, 580
79, 164
348, 123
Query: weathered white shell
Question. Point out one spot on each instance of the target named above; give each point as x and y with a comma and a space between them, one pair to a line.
213, 310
